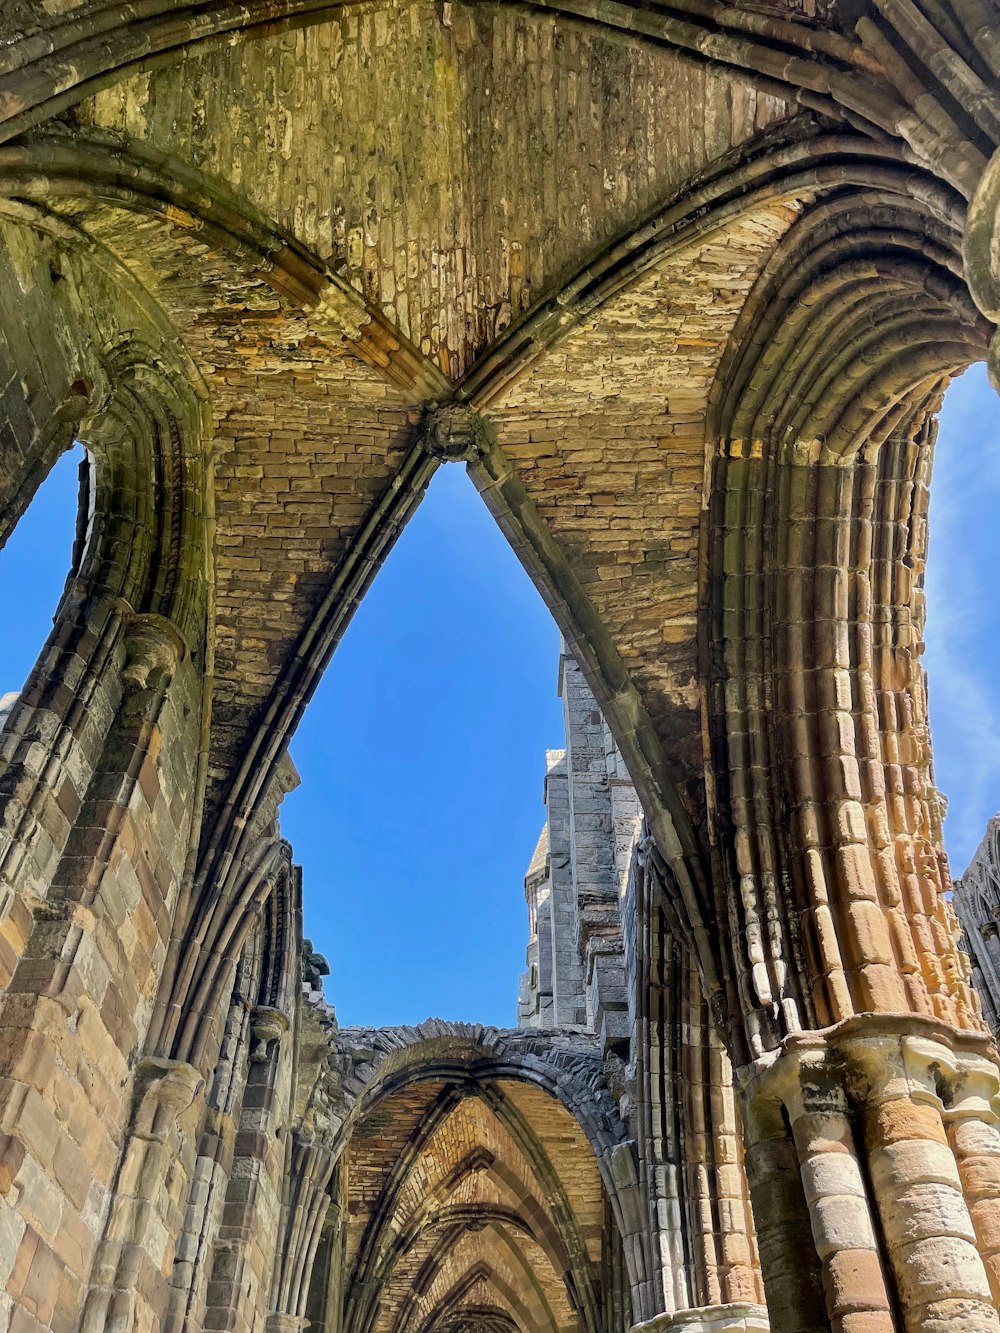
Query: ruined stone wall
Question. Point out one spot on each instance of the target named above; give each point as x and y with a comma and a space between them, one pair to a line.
683, 289
576, 882
977, 903
597, 930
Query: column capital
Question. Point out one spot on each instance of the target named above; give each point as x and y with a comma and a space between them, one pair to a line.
267, 1026
897, 1054
153, 644
162, 1091
736, 1318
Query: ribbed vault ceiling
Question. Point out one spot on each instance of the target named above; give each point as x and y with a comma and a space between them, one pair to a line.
455, 166
471, 1206
564, 229
452, 162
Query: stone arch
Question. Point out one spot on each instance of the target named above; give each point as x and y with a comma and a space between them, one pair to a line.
101, 777
103, 172
569, 1069
817, 175
804, 614
136, 602
472, 1066
704, 206
776, 170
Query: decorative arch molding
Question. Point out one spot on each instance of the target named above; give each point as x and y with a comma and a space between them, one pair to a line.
211, 941
45, 167
131, 384
820, 425
101, 780
225, 1011
473, 1318
446, 1217
891, 281
374, 1062
804, 160
798, 162
138, 598
528, 1299
824, 819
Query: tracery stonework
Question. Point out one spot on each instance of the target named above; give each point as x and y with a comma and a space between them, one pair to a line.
682, 288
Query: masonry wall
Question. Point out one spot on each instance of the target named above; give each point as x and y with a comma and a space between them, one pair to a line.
977, 903
576, 883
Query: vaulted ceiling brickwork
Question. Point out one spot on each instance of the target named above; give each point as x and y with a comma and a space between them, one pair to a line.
471, 1202
607, 432
452, 162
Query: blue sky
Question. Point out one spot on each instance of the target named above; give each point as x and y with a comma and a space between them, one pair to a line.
422, 754
422, 759
962, 658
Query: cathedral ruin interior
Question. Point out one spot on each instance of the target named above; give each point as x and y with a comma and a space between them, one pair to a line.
681, 286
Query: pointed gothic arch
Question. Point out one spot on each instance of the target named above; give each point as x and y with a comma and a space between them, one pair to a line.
737, 568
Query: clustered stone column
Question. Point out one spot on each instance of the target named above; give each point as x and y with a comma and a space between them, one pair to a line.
305, 1205
883, 1133
135, 1254
701, 1256
76, 1112
851, 1020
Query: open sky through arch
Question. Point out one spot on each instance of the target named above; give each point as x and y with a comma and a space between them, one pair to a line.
422, 754
963, 611
34, 565
422, 758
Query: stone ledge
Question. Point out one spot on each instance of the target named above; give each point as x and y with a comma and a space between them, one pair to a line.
736, 1318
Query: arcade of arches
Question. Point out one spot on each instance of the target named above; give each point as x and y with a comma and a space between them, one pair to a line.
682, 287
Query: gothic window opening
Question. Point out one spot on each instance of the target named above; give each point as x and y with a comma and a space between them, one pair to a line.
424, 750
42, 550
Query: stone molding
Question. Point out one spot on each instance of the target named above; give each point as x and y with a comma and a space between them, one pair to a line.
163, 1090
981, 251
880, 1048
267, 1027
153, 644
736, 1318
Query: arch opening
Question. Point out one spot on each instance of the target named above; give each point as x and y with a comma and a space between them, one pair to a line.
483, 1207
41, 553
421, 759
